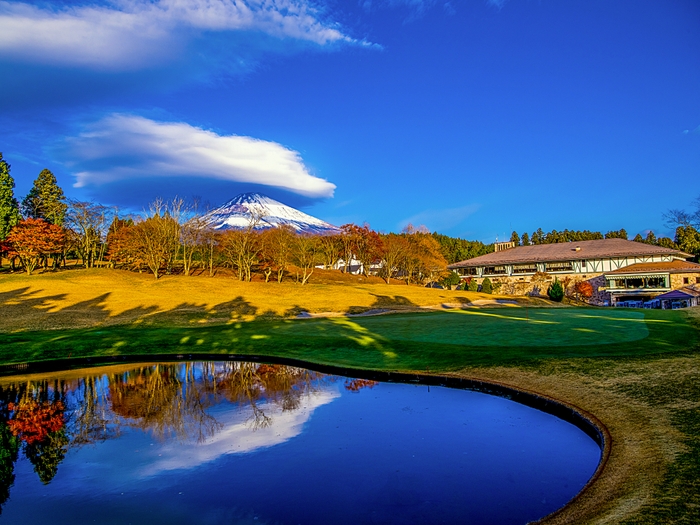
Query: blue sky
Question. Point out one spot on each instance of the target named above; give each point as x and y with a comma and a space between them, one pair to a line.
471, 117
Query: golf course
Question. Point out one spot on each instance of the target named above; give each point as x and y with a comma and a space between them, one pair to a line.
636, 372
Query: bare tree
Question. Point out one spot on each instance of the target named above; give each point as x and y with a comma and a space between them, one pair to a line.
89, 223
675, 217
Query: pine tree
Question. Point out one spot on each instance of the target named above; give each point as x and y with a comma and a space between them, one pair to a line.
45, 200
9, 208
515, 238
556, 291
525, 240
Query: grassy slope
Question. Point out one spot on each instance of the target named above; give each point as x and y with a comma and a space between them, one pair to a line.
637, 371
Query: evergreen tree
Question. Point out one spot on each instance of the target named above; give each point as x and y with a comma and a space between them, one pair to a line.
537, 237
638, 238
473, 286
486, 286
9, 208
45, 200
525, 240
515, 238
688, 240
556, 291
651, 238
617, 234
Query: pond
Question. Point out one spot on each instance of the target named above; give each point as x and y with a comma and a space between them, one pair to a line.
257, 443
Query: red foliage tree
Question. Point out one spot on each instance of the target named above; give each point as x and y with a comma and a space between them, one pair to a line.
33, 421
33, 239
584, 289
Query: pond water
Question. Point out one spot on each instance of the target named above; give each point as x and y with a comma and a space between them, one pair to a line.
250, 443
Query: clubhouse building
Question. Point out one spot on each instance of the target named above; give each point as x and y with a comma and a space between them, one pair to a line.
622, 272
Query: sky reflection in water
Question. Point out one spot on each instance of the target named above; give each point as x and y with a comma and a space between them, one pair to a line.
238, 443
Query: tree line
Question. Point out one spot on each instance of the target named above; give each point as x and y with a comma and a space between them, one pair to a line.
46, 229
687, 237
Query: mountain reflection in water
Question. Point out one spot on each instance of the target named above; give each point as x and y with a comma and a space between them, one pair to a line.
42, 419
248, 443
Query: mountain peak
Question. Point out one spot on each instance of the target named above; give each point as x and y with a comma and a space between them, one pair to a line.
239, 212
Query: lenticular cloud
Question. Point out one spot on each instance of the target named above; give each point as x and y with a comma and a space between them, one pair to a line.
134, 34
124, 148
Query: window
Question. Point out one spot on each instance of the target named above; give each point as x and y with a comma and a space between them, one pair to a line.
525, 268
563, 266
686, 280
697, 280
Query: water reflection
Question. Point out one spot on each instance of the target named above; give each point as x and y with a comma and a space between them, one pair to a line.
238, 442
43, 419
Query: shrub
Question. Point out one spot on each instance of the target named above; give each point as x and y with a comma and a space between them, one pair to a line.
486, 286
473, 286
556, 291
451, 280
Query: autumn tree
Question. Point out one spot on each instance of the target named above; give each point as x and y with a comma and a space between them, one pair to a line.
584, 290
277, 246
305, 255
9, 207
396, 249
348, 243
123, 249
33, 239
368, 247
424, 260
157, 238
331, 248
45, 200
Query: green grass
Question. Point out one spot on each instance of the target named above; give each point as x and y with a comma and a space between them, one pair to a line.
637, 370
440, 341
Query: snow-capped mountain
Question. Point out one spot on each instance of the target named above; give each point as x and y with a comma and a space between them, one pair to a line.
240, 211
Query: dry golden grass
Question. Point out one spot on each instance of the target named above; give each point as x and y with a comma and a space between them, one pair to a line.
86, 298
645, 443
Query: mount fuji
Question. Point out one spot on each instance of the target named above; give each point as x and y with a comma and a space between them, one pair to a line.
242, 210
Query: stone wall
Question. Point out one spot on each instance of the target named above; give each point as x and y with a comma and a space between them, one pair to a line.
537, 285
677, 279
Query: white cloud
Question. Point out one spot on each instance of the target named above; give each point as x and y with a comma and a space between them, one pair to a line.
127, 148
237, 436
137, 33
440, 219
695, 131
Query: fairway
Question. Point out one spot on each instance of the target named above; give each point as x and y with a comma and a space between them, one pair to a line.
512, 327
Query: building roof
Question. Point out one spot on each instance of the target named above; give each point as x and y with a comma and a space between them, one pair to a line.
683, 293
569, 251
665, 267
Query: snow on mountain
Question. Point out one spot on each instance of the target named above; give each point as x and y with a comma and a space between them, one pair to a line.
240, 211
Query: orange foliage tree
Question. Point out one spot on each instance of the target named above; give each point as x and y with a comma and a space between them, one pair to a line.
584, 289
33, 421
34, 239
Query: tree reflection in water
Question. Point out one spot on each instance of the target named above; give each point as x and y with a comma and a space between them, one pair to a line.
43, 419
